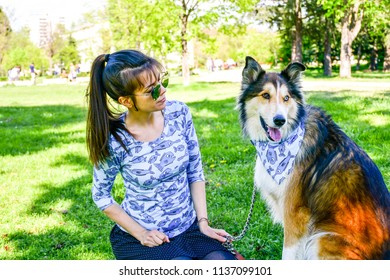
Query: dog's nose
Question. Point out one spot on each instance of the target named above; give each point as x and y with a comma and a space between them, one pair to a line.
279, 120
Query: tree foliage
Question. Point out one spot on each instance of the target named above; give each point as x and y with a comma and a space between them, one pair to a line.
307, 30
333, 30
68, 54
22, 52
55, 43
5, 31
146, 25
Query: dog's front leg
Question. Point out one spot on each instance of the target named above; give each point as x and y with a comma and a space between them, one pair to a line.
290, 252
295, 233
290, 249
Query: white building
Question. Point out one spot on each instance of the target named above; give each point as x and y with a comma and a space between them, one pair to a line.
42, 26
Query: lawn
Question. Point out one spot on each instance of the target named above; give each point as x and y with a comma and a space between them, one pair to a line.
45, 177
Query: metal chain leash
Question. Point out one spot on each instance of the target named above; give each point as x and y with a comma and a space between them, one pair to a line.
228, 244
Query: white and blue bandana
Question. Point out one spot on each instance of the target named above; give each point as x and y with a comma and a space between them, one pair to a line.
278, 158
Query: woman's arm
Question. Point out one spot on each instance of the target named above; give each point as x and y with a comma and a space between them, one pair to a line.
198, 194
147, 238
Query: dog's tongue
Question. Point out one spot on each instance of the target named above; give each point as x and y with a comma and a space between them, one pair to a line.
274, 133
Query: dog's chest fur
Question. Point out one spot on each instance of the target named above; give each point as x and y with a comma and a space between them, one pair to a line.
272, 193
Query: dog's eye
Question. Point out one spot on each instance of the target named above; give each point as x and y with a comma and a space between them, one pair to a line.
266, 96
286, 98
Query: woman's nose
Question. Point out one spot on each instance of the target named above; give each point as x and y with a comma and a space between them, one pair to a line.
162, 89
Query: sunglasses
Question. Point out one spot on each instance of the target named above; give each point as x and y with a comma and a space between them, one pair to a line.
155, 92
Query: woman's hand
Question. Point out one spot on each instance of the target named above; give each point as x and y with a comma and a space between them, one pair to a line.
218, 234
153, 238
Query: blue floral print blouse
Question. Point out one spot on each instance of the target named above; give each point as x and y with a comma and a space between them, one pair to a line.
156, 174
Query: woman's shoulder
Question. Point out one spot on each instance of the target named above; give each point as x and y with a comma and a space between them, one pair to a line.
174, 106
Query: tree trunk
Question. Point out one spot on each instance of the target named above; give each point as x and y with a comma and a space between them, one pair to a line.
359, 57
184, 62
184, 48
350, 27
327, 52
386, 63
296, 54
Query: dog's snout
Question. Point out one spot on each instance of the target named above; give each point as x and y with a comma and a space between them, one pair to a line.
279, 120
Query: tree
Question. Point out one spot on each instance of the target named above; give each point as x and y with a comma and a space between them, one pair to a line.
128, 20
386, 64
188, 7
69, 53
197, 16
55, 43
351, 23
159, 27
376, 29
21, 52
5, 32
328, 47
296, 54
287, 16
151, 26
350, 15
266, 52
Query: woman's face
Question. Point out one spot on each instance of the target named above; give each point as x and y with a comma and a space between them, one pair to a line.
142, 99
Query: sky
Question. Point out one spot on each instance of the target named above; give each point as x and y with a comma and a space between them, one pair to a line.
20, 12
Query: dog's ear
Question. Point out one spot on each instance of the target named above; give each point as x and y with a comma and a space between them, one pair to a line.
252, 71
293, 71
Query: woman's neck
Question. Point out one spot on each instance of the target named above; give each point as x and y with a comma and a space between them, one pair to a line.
140, 118
145, 126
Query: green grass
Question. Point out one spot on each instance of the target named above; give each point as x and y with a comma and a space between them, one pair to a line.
45, 177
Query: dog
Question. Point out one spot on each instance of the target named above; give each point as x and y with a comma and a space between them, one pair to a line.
326, 192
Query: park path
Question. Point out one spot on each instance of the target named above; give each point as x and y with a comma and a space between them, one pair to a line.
235, 76
53, 81
307, 85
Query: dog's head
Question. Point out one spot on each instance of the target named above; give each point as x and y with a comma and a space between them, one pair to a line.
270, 104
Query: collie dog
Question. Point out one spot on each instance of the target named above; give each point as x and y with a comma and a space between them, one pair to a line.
326, 192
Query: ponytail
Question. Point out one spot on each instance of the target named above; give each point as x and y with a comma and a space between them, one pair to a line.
99, 115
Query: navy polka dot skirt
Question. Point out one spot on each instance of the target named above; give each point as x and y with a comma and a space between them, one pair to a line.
191, 243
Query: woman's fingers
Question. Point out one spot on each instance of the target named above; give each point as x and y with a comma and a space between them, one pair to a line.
218, 234
154, 238
221, 232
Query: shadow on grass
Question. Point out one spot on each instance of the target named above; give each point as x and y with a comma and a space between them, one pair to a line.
32, 129
77, 230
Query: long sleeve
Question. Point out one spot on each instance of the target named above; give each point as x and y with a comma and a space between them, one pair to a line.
103, 180
195, 168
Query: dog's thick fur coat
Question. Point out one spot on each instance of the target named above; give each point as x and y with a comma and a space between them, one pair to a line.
334, 203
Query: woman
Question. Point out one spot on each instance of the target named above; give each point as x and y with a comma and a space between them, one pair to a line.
155, 149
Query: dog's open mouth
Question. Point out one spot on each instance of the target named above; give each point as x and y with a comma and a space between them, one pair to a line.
274, 134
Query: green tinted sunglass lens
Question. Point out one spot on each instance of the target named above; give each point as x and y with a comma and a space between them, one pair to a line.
165, 82
156, 92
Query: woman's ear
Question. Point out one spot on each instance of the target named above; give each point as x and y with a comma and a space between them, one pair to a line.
125, 101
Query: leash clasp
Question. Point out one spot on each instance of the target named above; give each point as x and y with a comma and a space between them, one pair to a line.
228, 244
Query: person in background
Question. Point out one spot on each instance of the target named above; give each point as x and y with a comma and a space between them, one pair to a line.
33, 74
154, 146
57, 70
72, 73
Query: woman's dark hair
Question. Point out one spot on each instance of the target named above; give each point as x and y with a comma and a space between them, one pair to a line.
115, 75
